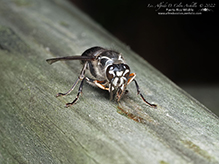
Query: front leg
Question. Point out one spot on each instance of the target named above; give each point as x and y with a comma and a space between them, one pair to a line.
138, 91
97, 83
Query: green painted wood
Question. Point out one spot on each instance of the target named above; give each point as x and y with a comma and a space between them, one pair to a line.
36, 128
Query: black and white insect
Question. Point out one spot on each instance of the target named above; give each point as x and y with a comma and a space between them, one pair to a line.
107, 70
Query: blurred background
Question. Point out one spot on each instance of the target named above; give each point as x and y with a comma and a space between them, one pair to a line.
182, 47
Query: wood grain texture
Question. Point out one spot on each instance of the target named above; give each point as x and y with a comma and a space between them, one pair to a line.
36, 128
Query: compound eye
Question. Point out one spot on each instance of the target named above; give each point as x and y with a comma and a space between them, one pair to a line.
110, 73
126, 70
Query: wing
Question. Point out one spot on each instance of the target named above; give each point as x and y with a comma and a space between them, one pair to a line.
84, 58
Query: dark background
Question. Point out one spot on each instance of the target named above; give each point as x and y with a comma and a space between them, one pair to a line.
182, 47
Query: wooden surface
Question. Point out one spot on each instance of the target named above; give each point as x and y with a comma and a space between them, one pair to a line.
36, 128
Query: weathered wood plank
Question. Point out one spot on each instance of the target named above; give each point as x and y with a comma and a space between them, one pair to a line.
36, 128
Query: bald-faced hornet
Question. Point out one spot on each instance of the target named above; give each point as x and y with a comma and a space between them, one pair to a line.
107, 70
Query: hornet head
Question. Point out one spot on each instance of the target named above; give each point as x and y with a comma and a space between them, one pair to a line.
117, 75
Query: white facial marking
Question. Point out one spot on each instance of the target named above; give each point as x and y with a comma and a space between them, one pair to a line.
122, 87
119, 73
121, 81
115, 81
112, 72
126, 71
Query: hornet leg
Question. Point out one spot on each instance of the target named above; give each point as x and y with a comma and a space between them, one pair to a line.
138, 91
72, 88
97, 83
77, 97
81, 77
